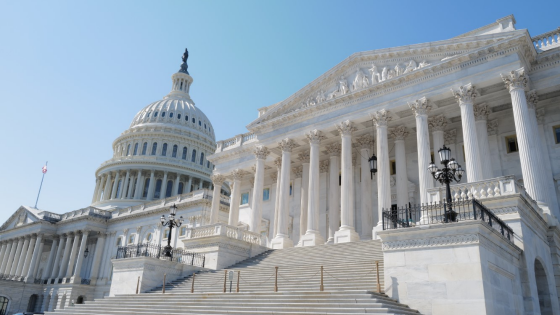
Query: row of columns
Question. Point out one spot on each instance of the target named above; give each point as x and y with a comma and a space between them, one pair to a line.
18, 257
133, 185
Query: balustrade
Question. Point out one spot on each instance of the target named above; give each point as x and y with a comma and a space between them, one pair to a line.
236, 141
493, 187
221, 229
547, 40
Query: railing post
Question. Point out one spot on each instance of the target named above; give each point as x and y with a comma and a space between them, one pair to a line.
163, 288
138, 285
192, 284
225, 280
377, 277
474, 209
321, 288
276, 280
238, 276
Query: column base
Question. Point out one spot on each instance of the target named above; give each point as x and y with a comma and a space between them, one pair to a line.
28, 279
311, 238
377, 228
330, 240
346, 235
280, 242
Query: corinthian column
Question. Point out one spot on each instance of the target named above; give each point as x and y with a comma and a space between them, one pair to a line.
312, 235
304, 158
6, 257
115, 185
237, 174
528, 147
282, 239
346, 233
29, 255
217, 180
421, 108
553, 203
437, 124
465, 97
334, 190
381, 118
107, 190
399, 134
36, 253
124, 186
96, 191
80, 258
278, 163
366, 217
21, 257
481, 112
12, 260
73, 255
261, 152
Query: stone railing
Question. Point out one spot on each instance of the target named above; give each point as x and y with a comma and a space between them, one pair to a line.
492, 187
235, 142
547, 40
51, 217
89, 211
222, 229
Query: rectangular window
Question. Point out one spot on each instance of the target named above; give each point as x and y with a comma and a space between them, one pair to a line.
266, 194
183, 231
131, 238
244, 198
393, 167
556, 134
511, 144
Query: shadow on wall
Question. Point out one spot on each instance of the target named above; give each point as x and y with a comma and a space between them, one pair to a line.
394, 288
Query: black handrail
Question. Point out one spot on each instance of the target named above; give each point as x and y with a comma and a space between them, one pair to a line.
156, 251
443, 212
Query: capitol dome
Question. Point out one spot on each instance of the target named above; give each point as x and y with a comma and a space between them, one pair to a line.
162, 154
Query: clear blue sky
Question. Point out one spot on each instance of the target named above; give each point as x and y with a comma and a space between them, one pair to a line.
74, 73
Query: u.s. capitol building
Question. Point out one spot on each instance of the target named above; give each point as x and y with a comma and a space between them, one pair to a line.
346, 165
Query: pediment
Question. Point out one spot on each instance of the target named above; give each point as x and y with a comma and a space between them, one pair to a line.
380, 69
23, 215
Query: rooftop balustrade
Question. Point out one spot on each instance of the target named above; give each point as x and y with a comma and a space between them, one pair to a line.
235, 142
547, 40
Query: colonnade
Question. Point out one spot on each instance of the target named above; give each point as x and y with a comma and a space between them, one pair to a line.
475, 138
132, 184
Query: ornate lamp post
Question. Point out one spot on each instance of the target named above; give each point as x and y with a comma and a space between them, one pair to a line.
373, 159
451, 171
171, 222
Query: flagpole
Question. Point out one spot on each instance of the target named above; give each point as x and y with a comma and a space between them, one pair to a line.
39, 193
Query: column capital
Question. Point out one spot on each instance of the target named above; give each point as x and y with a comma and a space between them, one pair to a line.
274, 176
437, 123
399, 132
465, 94
345, 128
237, 174
532, 99
324, 166
298, 171
492, 126
218, 179
450, 136
315, 136
365, 141
381, 118
420, 106
278, 163
261, 152
334, 149
286, 145
516, 79
481, 111
304, 157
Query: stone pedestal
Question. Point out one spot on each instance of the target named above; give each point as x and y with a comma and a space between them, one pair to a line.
345, 236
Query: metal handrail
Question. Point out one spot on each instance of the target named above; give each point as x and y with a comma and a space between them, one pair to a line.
157, 251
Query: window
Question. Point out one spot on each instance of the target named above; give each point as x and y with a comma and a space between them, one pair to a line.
511, 144
155, 114
193, 120
174, 153
193, 158
157, 193
244, 198
131, 238
144, 148
119, 241
119, 188
170, 115
136, 149
162, 114
164, 150
178, 116
148, 115
202, 158
146, 186
200, 123
393, 167
208, 164
184, 157
154, 148
204, 126
181, 188
186, 118
168, 188
266, 194
183, 231
149, 237
128, 150
556, 134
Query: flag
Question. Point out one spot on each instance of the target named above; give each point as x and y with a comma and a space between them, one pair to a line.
44, 169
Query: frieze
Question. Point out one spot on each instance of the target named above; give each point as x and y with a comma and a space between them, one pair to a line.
432, 242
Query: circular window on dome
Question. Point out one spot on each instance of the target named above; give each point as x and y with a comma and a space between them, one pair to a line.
170, 115
155, 114
187, 118
162, 114
178, 116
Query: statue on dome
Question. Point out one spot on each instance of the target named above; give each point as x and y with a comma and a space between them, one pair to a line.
184, 66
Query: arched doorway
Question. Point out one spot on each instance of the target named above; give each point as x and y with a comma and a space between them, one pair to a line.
80, 300
3, 305
62, 301
32, 303
542, 288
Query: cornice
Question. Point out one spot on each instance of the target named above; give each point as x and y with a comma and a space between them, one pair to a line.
154, 164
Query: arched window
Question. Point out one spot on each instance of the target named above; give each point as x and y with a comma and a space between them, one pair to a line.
193, 158
187, 118
181, 188
204, 126
164, 150
154, 148
157, 193
155, 114
184, 153
170, 115
169, 188
178, 116
200, 123
136, 149
174, 153
32, 304
162, 114
202, 158
148, 114
3, 305
146, 187
144, 148
128, 150
193, 120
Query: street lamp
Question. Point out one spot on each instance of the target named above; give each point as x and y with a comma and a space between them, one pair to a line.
373, 159
86, 252
451, 171
171, 222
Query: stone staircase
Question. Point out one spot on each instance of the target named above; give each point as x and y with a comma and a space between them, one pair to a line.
349, 280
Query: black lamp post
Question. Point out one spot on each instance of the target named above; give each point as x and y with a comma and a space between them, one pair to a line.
373, 159
171, 222
86, 252
451, 171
